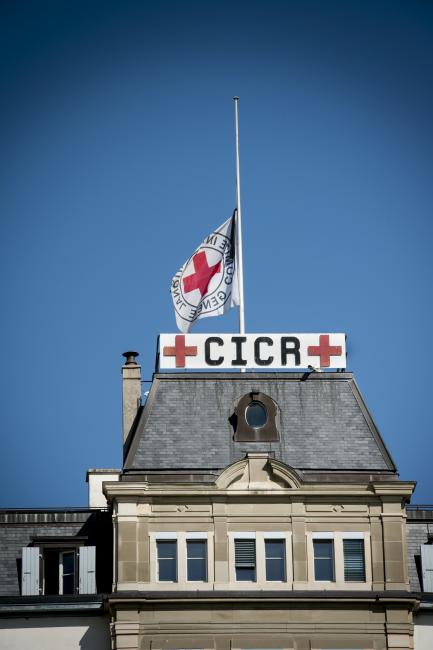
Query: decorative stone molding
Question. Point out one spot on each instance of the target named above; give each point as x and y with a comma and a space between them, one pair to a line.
258, 471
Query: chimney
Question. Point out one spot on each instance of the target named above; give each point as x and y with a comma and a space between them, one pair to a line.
95, 478
131, 391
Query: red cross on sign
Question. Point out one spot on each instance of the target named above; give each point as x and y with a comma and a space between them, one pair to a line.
180, 350
203, 274
324, 351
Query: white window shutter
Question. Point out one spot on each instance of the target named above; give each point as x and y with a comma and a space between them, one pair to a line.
87, 562
30, 571
427, 566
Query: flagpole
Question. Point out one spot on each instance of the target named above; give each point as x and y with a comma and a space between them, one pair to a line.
239, 229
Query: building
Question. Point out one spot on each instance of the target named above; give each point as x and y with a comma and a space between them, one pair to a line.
258, 511
255, 510
55, 566
420, 556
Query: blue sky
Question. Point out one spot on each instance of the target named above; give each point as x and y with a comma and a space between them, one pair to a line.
118, 158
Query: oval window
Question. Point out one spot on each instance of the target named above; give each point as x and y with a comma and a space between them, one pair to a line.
256, 415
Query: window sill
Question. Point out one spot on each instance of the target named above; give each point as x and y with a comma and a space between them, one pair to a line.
318, 585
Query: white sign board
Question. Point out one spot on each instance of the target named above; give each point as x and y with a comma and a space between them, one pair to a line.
223, 351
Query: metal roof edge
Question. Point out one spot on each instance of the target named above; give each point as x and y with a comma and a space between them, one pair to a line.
139, 424
260, 595
372, 425
92, 604
285, 375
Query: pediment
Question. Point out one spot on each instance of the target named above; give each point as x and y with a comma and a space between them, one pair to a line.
258, 471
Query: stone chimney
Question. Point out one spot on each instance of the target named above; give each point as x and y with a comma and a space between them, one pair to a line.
131, 390
95, 478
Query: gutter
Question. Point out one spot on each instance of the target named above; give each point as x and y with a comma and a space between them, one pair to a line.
41, 605
148, 597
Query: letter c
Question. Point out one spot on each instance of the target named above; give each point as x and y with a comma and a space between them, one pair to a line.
257, 358
209, 361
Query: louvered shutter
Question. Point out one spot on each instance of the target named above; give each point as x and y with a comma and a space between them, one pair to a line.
354, 562
87, 561
30, 571
245, 553
427, 566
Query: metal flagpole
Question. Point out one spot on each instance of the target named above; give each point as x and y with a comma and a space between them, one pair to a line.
239, 229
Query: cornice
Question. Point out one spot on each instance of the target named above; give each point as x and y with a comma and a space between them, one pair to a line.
146, 490
394, 488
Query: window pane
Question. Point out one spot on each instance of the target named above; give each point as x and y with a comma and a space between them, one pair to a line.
255, 415
167, 561
167, 549
68, 562
275, 560
197, 570
196, 548
323, 559
67, 559
354, 562
245, 573
197, 560
69, 583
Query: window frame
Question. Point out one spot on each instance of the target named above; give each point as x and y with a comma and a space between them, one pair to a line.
320, 539
192, 537
250, 538
244, 432
345, 557
159, 543
74, 573
284, 558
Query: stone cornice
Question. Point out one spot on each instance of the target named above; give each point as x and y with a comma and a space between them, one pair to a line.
144, 490
147, 597
394, 488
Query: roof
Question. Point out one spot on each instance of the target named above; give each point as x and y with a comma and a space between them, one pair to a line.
324, 423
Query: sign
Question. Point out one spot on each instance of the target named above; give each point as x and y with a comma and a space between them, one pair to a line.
273, 351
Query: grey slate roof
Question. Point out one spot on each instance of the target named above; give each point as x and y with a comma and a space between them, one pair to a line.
325, 424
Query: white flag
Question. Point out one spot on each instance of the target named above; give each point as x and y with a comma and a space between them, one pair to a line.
207, 284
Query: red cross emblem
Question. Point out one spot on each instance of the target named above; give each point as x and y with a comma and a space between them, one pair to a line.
203, 274
324, 351
180, 350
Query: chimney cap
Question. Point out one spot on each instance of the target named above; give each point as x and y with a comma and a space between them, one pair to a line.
130, 357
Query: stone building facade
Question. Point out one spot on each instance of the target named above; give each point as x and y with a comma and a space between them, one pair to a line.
258, 511
253, 511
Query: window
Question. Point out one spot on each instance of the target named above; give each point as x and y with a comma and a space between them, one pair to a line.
275, 555
324, 559
196, 550
167, 560
60, 574
340, 558
245, 559
255, 418
53, 570
260, 559
354, 560
256, 415
181, 559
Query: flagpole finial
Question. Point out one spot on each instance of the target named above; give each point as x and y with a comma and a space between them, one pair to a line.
236, 98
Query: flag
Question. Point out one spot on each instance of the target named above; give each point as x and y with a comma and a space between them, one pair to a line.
208, 283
